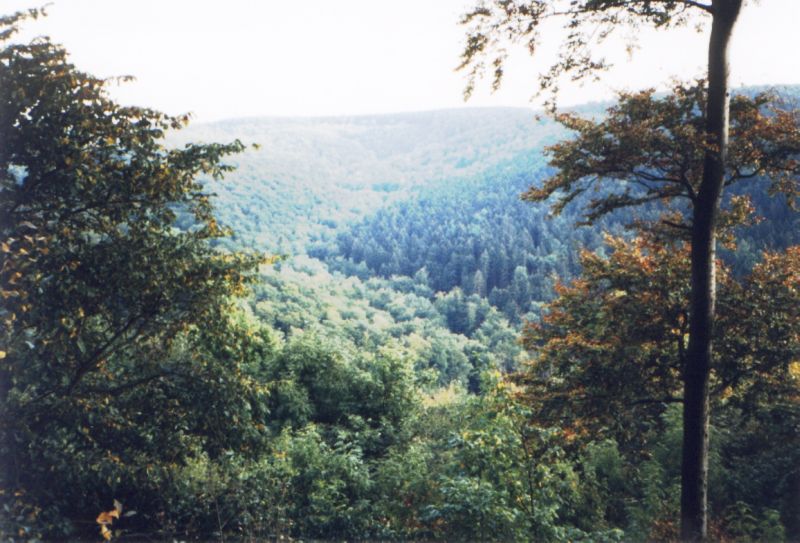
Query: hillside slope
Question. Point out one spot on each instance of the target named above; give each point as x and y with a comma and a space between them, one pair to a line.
434, 192
312, 175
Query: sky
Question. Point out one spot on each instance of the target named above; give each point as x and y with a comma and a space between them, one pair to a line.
242, 58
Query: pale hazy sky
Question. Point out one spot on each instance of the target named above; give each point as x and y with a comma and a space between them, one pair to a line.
236, 58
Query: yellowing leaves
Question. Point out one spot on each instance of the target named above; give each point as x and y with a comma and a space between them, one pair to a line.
794, 370
106, 519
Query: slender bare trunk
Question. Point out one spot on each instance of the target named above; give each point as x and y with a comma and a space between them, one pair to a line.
694, 469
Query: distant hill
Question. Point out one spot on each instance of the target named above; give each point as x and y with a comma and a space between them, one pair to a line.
433, 191
311, 175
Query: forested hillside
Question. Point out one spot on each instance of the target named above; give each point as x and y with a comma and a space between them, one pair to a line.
357, 331
435, 193
311, 176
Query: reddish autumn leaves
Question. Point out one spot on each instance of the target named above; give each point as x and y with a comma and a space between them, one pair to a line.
609, 353
651, 149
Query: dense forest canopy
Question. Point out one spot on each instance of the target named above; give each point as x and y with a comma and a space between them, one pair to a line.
358, 330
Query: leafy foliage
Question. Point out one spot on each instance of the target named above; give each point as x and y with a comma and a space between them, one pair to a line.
610, 351
363, 396
653, 149
495, 25
99, 287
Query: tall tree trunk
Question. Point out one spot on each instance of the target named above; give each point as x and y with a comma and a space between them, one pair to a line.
694, 469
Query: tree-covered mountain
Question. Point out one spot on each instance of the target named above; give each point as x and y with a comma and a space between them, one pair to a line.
159, 383
435, 193
310, 176
476, 235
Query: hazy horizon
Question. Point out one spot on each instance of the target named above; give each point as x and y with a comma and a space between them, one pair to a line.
359, 57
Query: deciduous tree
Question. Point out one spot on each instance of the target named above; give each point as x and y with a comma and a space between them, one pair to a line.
494, 24
610, 351
96, 279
